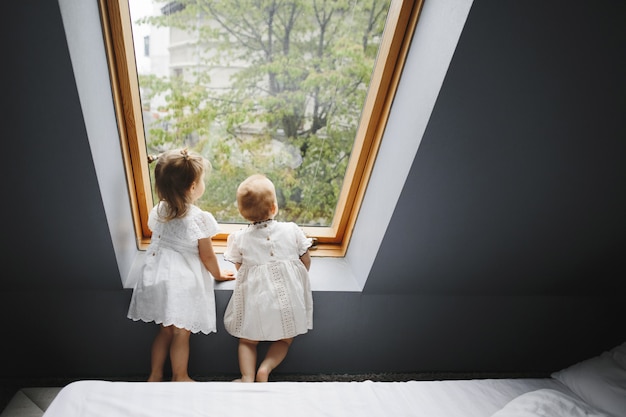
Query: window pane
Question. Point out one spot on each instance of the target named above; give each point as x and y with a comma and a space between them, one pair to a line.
259, 86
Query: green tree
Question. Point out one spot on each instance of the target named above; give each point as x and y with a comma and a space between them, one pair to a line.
294, 102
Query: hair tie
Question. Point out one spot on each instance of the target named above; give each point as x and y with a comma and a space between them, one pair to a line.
185, 154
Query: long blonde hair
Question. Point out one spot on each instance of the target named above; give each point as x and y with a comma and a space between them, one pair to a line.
175, 172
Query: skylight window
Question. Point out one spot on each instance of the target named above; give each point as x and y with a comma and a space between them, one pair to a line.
301, 93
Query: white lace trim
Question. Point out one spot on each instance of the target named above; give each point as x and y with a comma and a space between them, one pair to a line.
286, 309
194, 328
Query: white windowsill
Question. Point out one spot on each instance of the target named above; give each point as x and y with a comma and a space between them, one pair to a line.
327, 274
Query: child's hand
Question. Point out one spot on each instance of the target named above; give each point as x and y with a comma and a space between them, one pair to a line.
226, 276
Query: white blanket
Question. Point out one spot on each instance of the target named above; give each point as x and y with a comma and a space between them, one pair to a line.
462, 398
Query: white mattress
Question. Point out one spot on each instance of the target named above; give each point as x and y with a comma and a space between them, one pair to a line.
449, 398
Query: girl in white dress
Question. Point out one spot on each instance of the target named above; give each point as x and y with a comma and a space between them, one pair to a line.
175, 289
272, 299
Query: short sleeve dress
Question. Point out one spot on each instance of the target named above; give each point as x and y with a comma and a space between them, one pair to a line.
175, 287
272, 299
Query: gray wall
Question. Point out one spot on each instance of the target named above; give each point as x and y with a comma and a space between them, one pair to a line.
504, 253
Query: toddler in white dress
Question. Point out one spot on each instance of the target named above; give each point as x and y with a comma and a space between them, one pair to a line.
175, 289
272, 299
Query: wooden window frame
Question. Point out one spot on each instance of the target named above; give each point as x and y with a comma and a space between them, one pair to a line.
332, 241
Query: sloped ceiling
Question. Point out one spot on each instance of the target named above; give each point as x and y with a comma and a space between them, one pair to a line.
518, 186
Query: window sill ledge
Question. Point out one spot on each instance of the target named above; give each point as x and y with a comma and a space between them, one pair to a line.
219, 245
326, 274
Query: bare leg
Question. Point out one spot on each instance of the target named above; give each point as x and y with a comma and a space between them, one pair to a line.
160, 349
247, 359
179, 354
275, 355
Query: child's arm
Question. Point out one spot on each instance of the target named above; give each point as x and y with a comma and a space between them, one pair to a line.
306, 260
209, 259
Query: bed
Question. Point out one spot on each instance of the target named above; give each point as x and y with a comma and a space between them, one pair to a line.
595, 388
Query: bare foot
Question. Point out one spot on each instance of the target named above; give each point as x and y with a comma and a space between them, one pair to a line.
183, 379
242, 379
263, 375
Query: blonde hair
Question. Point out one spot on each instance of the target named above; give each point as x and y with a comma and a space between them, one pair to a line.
175, 172
256, 198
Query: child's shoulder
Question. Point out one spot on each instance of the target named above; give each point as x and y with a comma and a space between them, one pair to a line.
289, 225
197, 214
155, 220
286, 224
291, 228
200, 223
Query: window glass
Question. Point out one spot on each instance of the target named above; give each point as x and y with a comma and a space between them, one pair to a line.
260, 86
297, 90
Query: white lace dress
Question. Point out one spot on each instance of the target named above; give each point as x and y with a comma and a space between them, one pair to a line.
272, 298
175, 288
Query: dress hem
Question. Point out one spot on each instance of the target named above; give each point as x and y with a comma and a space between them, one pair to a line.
162, 323
267, 339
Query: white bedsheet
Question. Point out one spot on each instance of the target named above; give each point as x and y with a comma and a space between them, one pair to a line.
548, 403
462, 398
